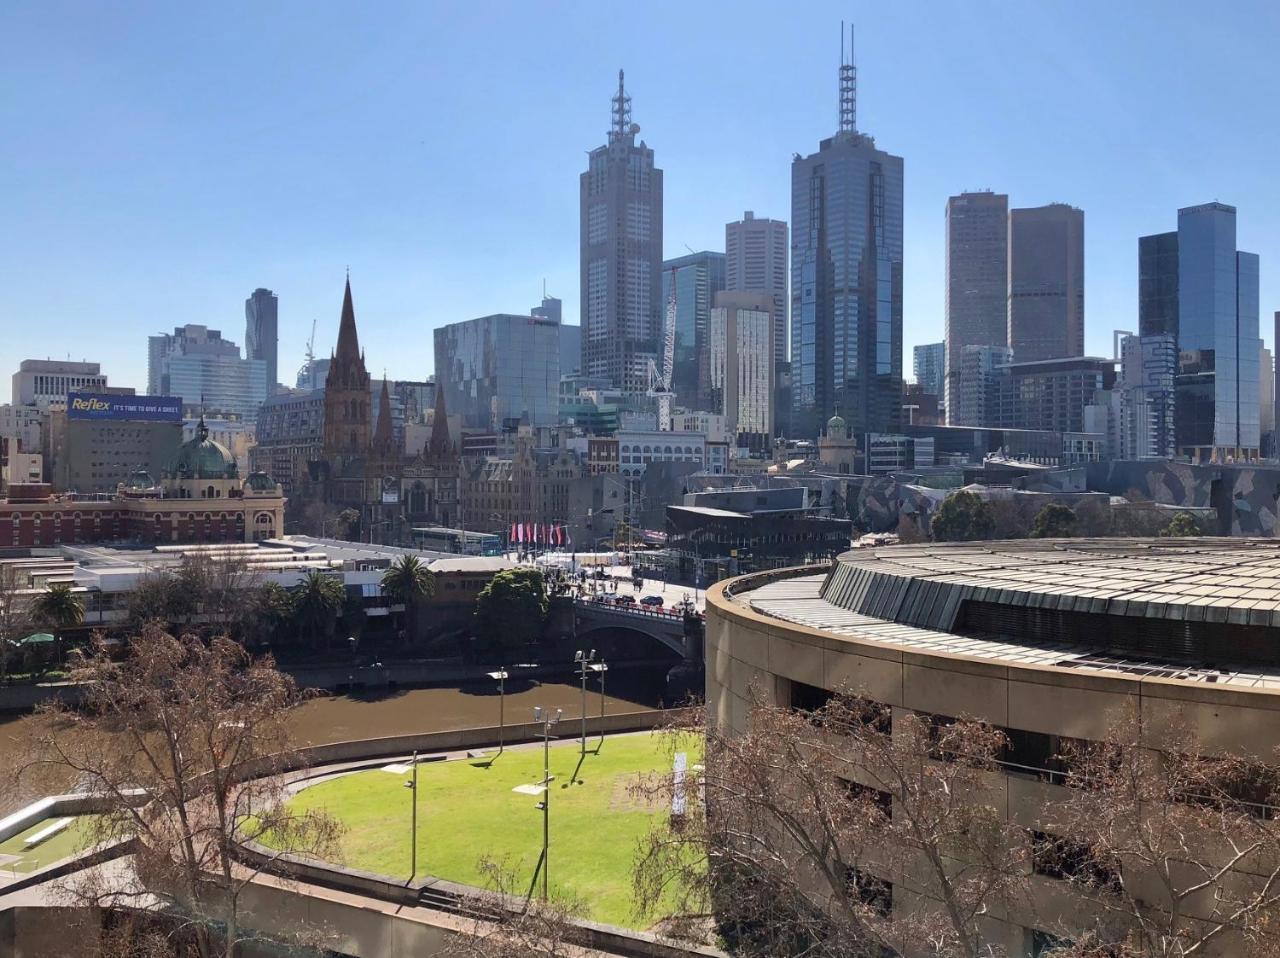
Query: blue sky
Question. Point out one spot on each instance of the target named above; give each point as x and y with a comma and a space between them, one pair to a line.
161, 160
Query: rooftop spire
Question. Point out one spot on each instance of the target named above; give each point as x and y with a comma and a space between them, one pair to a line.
348, 342
382, 436
440, 446
848, 86
621, 112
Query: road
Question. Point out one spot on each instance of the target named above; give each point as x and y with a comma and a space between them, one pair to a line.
619, 576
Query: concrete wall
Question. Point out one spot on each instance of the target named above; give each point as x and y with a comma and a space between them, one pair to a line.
751, 657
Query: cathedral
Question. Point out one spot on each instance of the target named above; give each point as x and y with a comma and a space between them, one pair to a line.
360, 465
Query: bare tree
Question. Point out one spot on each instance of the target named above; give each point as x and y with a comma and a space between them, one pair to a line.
838, 831
1176, 849
517, 925
181, 740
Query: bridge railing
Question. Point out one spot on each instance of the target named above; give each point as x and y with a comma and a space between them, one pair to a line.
634, 608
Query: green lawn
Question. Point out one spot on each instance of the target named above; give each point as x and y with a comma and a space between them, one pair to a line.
467, 812
16, 857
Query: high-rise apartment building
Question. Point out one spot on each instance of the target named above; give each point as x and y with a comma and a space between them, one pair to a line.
740, 335
846, 280
497, 369
1145, 387
929, 366
698, 277
977, 303
1195, 285
621, 256
39, 382
261, 332
1046, 283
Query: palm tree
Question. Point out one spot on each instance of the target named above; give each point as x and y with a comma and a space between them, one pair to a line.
408, 581
58, 608
318, 600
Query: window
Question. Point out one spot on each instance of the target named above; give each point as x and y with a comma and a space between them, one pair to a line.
876, 893
1056, 857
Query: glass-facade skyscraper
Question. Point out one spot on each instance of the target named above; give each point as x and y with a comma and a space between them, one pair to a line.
1195, 285
698, 277
496, 369
261, 332
928, 363
977, 305
620, 236
846, 281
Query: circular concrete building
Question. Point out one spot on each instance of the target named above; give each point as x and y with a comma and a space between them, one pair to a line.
1047, 639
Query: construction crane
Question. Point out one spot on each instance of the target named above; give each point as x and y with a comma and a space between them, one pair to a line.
660, 385
310, 353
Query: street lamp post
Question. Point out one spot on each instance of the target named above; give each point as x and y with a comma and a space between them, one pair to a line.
412, 786
500, 677
600, 668
547, 719
584, 662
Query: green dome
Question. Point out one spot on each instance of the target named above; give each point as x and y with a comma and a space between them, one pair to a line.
260, 482
202, 458
837, 425
140, 479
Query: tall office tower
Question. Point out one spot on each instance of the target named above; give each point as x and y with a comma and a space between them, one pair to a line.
620, 235
1046, 283
977, 306
550, 308
698, 277
846, 280
740, 335
973, 384
928, 364
1267, 402
205, 370
1148, 366
756, 262
1275, 388
39, 382
1195, 285
261, 332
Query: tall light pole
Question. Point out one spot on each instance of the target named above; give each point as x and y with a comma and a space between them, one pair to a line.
547, 719
412, 786
500, 677
600, 668
584, 662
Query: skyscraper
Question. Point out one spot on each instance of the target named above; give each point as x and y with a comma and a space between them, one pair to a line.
206, 371
1195, 285
928, 363
740, 338
977, 305
846, 280
697, 277
261, 332
621, 255
756, 262
1046, 283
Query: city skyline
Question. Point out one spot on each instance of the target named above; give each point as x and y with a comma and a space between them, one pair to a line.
145, 183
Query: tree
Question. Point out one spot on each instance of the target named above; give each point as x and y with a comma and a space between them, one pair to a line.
13, 617
512, 608
813, 823
408, 582
517, 926
271, 608
1182, 525
181, 742
962, 517
317, 600
1176, 848
57, 608
1054, 521
347, 525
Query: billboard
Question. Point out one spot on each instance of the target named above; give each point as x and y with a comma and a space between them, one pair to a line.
124, 408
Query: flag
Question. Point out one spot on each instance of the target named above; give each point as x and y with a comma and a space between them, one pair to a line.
512, 537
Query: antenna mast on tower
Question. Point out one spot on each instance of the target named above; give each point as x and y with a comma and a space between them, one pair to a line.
621, 112
848, 86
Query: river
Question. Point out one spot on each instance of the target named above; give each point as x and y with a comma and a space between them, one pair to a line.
339, 718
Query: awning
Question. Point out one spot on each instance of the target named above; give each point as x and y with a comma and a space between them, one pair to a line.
38, 638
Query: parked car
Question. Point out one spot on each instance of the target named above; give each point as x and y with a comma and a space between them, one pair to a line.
654, 600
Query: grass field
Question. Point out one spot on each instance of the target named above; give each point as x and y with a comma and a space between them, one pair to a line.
468, 812
15, 857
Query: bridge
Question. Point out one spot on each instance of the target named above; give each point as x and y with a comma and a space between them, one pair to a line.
663, 625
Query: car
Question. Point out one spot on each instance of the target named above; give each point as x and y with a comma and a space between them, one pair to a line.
624, 600
652, 600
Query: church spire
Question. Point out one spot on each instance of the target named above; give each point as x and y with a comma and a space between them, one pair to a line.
440, 447
383, 439
348, 342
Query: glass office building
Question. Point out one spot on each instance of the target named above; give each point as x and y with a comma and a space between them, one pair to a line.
846, 282
218, 383
1195, 284
697, 277
496, 369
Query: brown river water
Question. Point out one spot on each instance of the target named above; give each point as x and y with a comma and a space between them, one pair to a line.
338, 718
